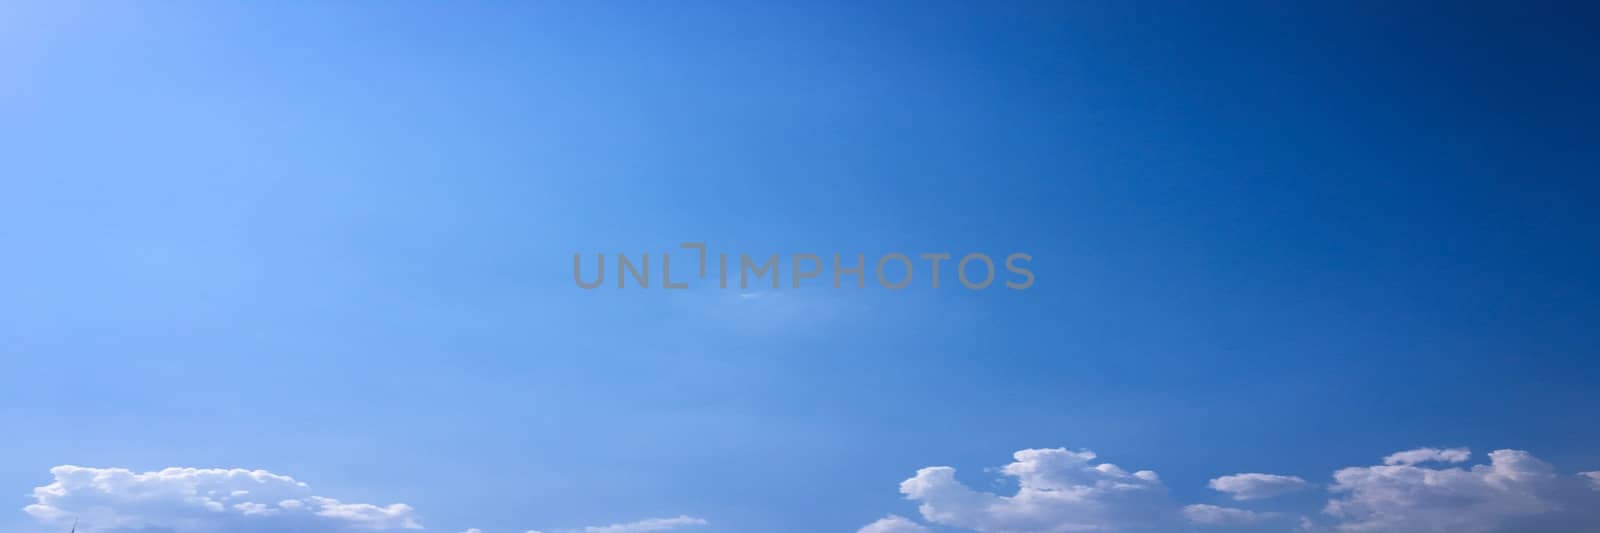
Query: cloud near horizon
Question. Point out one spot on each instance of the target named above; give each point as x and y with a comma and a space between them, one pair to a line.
202, 500
642, 526
1058, 490
1424, 490
652, 524
893, 524
1400, 495
215, 500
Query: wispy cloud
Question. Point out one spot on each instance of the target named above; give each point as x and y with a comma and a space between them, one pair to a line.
1213, 515
893, 524
651, 524
1257, 486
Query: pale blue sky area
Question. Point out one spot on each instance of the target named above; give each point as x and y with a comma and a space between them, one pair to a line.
334, 240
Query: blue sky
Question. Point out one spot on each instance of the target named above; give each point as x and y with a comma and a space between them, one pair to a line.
334, 241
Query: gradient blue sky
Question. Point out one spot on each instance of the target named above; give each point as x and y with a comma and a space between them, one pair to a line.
333, 240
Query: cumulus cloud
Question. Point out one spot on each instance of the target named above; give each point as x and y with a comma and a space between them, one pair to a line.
1400, 495
1257, 486
1058, 490
893, 524
1427, 455
1222, 516
196, 500
1425, 490
652, 524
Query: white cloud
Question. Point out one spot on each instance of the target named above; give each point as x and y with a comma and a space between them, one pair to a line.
195, 500
652, 524
893, 524
1222, 516
1425, 490
1257, 486
1425, 455
1400, 496
1058, 490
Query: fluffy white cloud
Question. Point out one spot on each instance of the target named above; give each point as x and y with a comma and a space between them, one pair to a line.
652, 524
1257, 486
195, 500
1427, 455
1400, 496
1222, 516
893, 524
1058, 490
1426, 490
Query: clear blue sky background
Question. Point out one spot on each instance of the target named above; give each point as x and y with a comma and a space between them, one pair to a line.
334, 241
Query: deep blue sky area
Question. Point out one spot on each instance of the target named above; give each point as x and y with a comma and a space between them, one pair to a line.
335, 240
